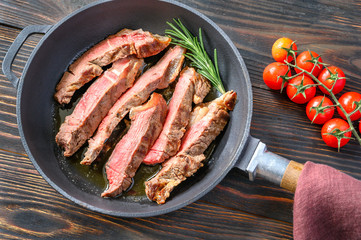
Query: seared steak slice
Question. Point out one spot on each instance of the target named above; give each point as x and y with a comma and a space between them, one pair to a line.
191, 86
124, 43
158, 76
147, 122
95, 104
190, 156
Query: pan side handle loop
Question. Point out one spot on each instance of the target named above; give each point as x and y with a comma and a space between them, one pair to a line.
15, 47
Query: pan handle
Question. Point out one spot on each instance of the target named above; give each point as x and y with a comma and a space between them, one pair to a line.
257, 161
15, 47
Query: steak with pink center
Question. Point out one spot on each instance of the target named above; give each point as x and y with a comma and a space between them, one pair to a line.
190, 157
157, 77
147, 123
191, 86
124, 43
95, 104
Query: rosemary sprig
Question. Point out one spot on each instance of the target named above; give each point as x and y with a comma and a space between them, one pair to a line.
197, 54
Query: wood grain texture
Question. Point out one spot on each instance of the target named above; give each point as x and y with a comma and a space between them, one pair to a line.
290, 178
236, 208
20, 13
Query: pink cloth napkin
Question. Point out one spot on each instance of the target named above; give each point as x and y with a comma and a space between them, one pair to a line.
327, 204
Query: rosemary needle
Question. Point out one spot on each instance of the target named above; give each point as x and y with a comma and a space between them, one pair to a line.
197, 54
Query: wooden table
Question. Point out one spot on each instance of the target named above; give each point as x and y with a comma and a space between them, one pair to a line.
236, 208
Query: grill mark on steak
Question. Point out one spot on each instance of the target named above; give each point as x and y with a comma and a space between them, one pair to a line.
190, 156
191, 86
122, 44
157, 77
147, 123
95, 104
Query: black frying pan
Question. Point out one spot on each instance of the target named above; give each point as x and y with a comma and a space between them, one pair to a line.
87, 26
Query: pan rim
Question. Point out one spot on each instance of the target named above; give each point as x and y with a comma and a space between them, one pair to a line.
231, 162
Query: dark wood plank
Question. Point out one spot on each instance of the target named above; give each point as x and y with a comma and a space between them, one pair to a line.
30, 208
258, 197
20, 13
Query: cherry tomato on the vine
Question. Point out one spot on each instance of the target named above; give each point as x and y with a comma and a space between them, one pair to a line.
349, 101
298, 92
272, 73
337, 78
302, 62
280, 54
317, 112
335, 127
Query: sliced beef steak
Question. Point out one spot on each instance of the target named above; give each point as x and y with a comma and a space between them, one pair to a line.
190, 156
125, 43
95, 104
158, 76
191, 86
147, 122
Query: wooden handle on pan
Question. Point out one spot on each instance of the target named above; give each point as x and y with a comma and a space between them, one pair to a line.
291, 175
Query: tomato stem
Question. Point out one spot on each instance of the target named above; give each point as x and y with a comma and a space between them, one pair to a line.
357, 108
301, 88
285, 79
290, 51
337, 133
320, 109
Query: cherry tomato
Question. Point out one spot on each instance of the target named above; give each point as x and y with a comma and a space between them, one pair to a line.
331, 126
295, 83
326, 78
302, 59
271, 75
323, 115
347, 101
280, 54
